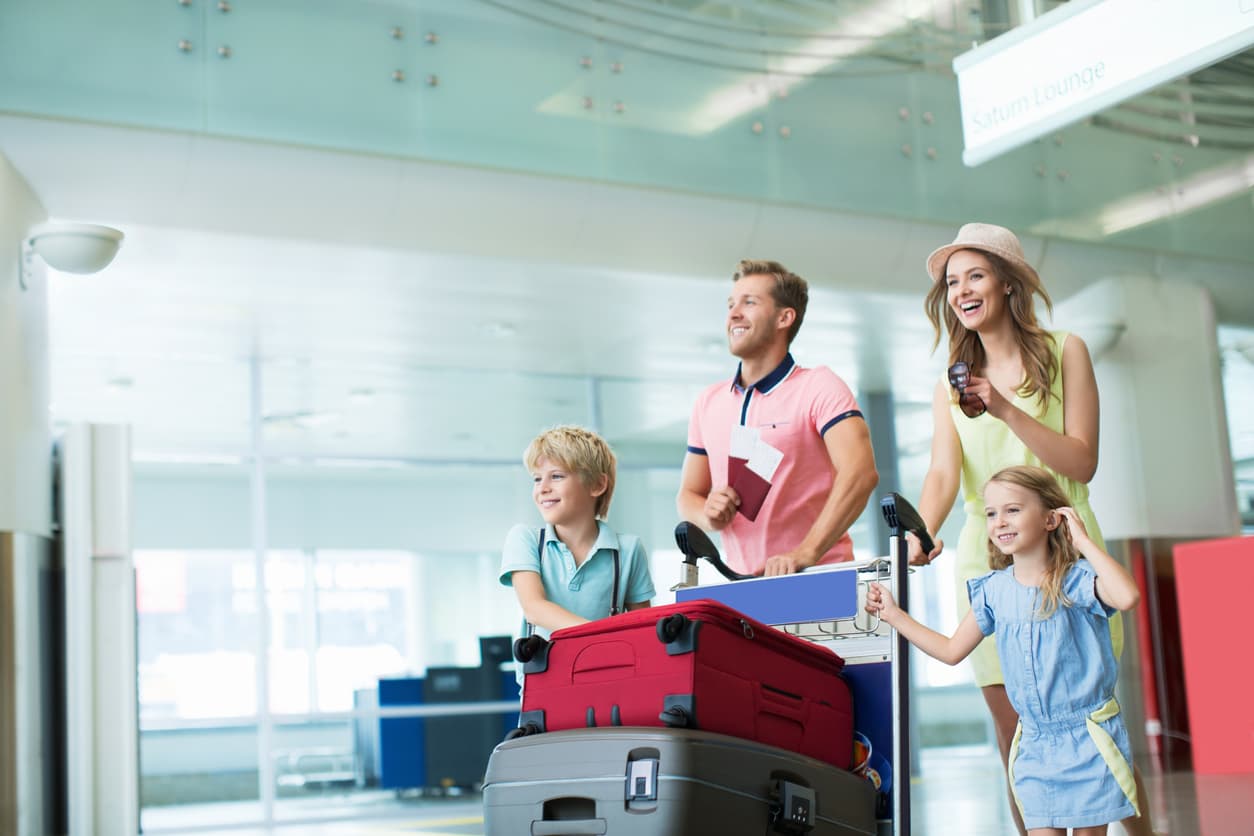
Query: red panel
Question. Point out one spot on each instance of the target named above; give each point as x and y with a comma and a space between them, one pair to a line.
1215, 591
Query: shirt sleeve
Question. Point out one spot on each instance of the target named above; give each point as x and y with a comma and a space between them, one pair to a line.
980, 607
639, 580
832, 401
521, 553
696, 439
1080, 587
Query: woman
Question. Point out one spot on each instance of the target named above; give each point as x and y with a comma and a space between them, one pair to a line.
1028, 397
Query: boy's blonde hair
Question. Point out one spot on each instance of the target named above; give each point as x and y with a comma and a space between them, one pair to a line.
1060, 552
580, 451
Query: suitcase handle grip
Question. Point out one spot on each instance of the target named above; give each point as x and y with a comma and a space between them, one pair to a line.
782, 703
569, 827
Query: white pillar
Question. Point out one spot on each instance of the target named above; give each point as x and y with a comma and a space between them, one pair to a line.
1165, 463
102, 703
25, 522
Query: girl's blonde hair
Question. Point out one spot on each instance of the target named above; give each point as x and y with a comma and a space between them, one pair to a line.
1060, 552
581, 451
1040, 365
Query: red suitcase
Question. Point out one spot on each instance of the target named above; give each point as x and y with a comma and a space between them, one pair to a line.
699, 665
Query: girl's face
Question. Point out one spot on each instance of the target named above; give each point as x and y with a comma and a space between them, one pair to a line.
1018, 521
975, 294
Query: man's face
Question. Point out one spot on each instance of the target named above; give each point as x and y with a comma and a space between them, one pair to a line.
754, 322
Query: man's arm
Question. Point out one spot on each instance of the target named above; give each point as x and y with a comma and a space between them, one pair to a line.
849, 447
697, 502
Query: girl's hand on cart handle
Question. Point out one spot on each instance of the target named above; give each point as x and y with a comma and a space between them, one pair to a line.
879, 601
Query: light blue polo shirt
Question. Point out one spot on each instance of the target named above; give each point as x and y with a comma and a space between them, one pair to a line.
583, 590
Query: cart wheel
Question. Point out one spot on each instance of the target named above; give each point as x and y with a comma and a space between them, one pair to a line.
526, 648
671, 627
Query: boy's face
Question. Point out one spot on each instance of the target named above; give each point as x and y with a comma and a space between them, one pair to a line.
1018, 521
561, 496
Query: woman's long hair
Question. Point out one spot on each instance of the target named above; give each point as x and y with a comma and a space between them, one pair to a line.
1060, 552
1036, 345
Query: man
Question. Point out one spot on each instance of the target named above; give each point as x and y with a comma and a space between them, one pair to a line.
827, 470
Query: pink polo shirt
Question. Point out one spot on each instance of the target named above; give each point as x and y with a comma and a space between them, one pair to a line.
791, 408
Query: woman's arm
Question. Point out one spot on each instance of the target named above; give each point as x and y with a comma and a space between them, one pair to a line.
536, 606
1073, 453
940, 485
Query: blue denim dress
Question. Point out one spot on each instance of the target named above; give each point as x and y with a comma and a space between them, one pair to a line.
1070, 762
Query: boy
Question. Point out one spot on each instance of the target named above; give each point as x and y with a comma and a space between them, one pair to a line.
568, 579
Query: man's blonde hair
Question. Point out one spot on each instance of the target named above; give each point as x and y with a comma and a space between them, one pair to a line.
789, 290
581, 451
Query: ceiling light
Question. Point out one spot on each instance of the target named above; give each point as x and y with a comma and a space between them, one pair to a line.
1136, 210
854, 33
70, 248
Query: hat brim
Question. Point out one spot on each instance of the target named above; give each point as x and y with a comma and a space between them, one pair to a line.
940, 257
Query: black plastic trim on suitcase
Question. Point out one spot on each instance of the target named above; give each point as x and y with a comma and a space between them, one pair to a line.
679, 711
539, 660
792, 808
679, 633
532, 721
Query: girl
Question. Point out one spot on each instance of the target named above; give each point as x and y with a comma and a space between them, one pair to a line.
1029, 398
1070, 760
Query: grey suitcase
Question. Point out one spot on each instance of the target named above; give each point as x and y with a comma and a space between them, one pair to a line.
635, 781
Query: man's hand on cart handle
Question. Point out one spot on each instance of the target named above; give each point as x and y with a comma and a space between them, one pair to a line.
917, 557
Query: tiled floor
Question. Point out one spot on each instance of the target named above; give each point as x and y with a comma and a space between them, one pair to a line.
959, 791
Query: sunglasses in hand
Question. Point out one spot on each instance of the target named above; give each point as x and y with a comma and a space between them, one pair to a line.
972, 405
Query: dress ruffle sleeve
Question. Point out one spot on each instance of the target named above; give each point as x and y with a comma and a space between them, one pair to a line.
979, 604
1080, 587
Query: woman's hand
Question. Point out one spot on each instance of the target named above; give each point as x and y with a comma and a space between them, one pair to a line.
915, 550
994, 402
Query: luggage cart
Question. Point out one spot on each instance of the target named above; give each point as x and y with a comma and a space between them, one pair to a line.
826, 605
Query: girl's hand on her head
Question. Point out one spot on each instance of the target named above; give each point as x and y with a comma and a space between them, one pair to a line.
1075, 525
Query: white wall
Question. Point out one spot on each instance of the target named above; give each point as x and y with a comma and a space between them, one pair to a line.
25, 442
465, 509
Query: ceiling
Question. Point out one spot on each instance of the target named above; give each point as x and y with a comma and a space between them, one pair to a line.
443, 305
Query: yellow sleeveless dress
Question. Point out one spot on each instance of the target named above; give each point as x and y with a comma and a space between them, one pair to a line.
988, 445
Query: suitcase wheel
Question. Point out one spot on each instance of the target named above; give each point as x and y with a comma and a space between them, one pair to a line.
527, 647
676, 717
671, 628
523, 731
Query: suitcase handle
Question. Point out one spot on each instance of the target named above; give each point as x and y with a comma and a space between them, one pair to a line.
569, 827
781, 703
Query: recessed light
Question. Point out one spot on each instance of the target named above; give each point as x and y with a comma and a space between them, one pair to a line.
120, 382
500, 328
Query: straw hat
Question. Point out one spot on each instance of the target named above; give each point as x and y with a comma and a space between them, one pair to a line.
988, 238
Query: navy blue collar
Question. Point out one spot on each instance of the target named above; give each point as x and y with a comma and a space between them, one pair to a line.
769, 382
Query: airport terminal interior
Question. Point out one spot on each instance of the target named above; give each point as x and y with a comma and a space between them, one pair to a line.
258, 468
